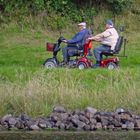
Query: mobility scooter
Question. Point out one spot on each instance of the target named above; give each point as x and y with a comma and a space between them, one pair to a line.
82, 61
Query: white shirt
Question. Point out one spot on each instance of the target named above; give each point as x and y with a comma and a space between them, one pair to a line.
110, 37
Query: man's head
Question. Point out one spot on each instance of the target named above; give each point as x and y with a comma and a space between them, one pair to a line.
109, 23
82, 25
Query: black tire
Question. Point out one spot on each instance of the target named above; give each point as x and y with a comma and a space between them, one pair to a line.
112, 65
81, 66
49, 64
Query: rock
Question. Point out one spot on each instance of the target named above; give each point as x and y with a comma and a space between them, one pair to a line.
24, 117
6, 118
83, 119
49, 124
12, 121
54, 118
91, 110
59, 109
130, 125
116, 123
30, 124
62, 126
119, 110
135, 116
104, 121
58, 123
124, 126
92, 121
19, 124
70, 126
137, 124
64, 116
34, 127
80, 124
97, 117
42, 125
59, 117
124, 117
76, 122
111, 127
87, 127
98, 125
74, 119
92, 127
77, 111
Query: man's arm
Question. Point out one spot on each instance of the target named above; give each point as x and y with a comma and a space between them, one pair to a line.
75, 39
100, 36
78, 37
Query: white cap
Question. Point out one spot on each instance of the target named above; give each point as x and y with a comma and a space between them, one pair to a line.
82, 24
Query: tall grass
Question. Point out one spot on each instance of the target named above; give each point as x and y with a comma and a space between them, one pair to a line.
71, 88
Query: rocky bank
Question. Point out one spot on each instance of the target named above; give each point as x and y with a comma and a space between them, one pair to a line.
89, 119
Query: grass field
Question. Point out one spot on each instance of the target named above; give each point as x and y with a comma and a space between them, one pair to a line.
25, 86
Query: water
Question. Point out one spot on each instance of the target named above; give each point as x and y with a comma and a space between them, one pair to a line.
61, 135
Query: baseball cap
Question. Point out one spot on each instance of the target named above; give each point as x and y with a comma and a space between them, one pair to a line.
109, 22
82, 24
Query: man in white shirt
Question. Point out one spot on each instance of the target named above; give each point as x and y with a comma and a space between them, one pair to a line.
108, 40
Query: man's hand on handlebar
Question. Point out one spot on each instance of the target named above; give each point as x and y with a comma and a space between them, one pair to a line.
65, 41
94, 38
90, 39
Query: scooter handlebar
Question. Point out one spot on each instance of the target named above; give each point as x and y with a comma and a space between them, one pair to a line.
61, 39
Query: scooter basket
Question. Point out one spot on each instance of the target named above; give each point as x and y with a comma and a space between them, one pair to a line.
49, 47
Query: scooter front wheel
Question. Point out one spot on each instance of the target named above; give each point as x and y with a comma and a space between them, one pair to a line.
49, 64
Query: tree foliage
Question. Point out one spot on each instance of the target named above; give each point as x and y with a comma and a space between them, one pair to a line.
61, 5
118, 6
59, 11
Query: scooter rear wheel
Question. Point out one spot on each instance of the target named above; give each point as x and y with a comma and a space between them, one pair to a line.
82, 66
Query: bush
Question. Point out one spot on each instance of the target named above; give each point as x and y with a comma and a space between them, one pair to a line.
12, 5
118, 6
57, 12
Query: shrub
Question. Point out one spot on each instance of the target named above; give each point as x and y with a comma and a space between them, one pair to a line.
118, 6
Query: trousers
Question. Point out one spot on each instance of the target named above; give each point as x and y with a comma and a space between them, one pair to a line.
69, 51
98, 51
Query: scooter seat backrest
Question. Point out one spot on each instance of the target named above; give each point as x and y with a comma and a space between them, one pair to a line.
87, 46
119, 44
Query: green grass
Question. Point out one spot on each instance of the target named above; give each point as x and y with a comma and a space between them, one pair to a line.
25, 86
102, 89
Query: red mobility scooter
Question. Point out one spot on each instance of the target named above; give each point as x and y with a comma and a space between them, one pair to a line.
108, 62
82, 61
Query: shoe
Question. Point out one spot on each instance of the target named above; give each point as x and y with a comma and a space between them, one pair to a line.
63, 63
96, 65
89, 54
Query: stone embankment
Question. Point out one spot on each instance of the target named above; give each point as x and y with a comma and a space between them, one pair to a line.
87, 120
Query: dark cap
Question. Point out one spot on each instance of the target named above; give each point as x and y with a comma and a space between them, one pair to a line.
109, 22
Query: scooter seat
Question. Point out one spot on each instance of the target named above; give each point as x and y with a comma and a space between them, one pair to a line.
108, 53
